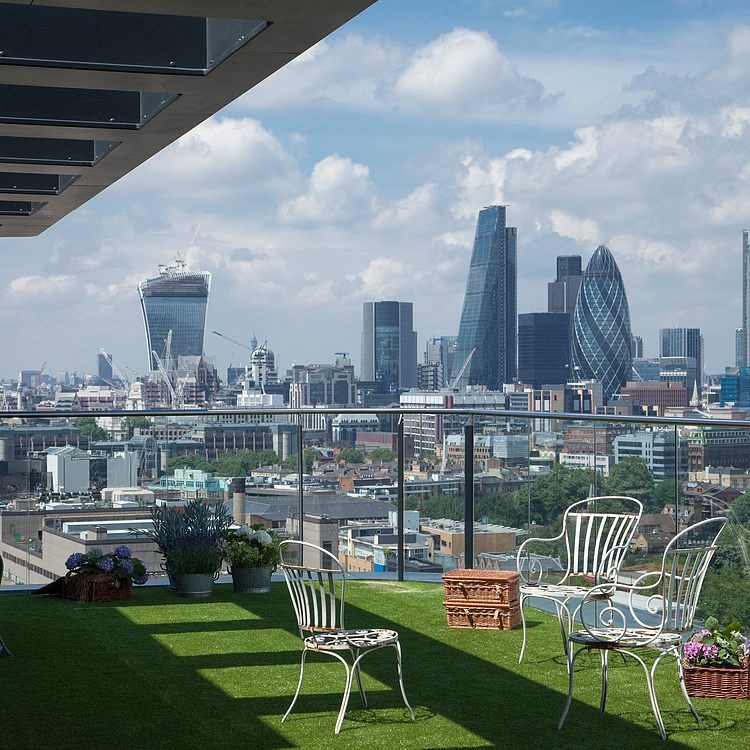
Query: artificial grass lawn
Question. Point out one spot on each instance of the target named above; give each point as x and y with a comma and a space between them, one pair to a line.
162, 672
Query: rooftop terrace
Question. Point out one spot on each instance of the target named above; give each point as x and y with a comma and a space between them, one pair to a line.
157, 671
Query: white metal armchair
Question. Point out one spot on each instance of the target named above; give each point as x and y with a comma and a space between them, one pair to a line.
595, 545
321, 621
657, 609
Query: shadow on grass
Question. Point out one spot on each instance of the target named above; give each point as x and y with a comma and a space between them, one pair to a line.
142, 674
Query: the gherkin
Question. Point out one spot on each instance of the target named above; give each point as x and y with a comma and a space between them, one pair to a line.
601, 325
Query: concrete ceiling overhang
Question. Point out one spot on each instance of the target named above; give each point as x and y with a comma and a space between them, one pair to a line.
90, 89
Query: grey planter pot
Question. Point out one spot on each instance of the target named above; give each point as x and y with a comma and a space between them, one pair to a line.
252, 580
195, 585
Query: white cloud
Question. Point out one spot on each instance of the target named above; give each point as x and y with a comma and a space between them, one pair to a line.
339, 190
576, 228
465, 72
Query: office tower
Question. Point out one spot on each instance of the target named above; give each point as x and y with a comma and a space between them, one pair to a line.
104, 366
543, 348
441, 351
740, 345
684, 342
486, 346
601, 325
175, 301
636, 347
562, 293
389, 346
682, 370
745, 297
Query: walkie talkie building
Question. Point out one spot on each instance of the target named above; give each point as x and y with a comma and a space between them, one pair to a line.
176, 301
601, 325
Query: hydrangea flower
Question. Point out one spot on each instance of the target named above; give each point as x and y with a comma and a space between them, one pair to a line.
107, 564
75, 560
141, 579
123, 552
127, 565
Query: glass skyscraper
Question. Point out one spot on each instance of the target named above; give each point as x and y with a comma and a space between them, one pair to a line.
743, 340
487, 330
176, 301
389, 346
685, 343
601, 325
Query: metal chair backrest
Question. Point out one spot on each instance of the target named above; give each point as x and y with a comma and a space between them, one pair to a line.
596, 541
684, 566
312, 588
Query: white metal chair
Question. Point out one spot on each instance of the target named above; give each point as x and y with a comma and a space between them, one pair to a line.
321, 621
658, 608
595, 545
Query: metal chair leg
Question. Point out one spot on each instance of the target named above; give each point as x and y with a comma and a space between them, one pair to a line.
358, 671
523, 624
299, 686
571, 659
347, 693
605, 679
397, 646
676, 653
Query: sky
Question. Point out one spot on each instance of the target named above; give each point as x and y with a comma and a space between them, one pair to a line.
356, 173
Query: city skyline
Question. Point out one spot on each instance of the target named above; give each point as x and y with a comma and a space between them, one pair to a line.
357, 171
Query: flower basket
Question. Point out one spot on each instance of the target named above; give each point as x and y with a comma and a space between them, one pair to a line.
716, 682
96, 588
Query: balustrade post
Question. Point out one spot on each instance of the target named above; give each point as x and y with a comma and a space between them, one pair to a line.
469, 496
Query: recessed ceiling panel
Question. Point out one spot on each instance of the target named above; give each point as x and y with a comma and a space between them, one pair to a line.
78, 153
37, 184
93, 108
20, 208
113, 40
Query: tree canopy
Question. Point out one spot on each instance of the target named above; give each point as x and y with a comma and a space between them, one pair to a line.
88, 426
350, 455
630, 476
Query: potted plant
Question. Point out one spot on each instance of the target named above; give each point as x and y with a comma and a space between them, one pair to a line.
98, 576
716, 662
252, 553
190, 540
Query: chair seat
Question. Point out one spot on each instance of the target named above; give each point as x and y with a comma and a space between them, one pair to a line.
631, 638
338, 640
555, 591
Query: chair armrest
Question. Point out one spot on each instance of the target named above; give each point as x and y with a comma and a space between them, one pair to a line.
535, 570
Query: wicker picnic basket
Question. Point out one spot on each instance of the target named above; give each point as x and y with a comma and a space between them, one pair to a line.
716, 682
486, 599
481, 616
497, 586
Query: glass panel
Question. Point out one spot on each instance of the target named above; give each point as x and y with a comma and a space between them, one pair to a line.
20, 208
54, 151
44, 184
49, 105
113, 40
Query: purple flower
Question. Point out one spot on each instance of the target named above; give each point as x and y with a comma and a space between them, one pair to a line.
710, 651
127, 565
704, 634
107, 564
123, 552
692, 650
141, 579
75, 560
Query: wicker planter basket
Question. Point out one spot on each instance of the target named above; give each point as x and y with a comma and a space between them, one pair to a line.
716, 682
481, 616
496, 586
95, 588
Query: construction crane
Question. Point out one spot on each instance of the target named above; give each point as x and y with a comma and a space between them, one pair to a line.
173, 397
454, 382
234, 341
115, 369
